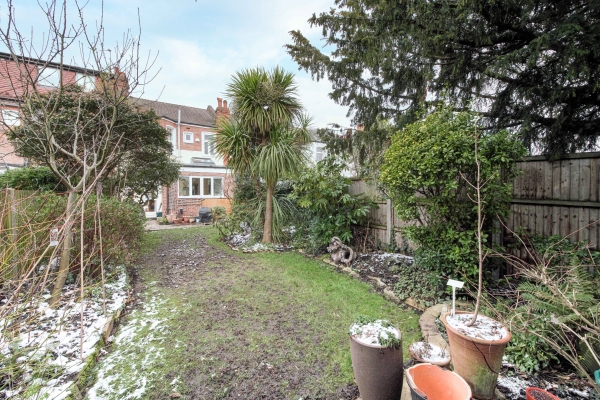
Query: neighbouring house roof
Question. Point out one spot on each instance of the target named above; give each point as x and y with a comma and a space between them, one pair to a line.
51, 64
189, 115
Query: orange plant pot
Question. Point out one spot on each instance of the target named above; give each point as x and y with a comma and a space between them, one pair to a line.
541, 394
477, 361
430, 382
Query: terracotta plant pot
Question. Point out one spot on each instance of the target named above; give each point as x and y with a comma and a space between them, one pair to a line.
539, 394
377, 370
477, 361
186, 219
428, 381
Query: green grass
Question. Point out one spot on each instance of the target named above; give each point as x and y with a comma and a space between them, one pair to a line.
245, 311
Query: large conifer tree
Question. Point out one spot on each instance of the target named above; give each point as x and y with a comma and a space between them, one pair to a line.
531, 65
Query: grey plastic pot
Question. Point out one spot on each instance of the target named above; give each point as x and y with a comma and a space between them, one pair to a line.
377, 370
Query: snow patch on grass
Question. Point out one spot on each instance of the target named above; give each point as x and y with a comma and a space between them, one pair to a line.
46, 348
128, 370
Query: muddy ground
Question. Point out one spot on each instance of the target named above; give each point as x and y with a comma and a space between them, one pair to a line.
244, 335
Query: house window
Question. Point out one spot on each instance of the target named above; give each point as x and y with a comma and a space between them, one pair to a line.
320, 153
87, 82
11, 117
200, 186
208, 144
48, 76
188, 137
171, 131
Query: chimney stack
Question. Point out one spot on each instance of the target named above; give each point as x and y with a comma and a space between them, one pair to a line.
222, 109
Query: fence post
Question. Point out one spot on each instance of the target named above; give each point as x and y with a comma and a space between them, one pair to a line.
389, 222
13, 228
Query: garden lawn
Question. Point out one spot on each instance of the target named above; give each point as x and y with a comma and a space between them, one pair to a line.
214, 323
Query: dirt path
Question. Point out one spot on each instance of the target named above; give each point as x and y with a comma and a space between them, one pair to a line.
212, 323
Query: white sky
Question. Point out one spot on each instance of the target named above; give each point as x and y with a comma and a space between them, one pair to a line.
200, 44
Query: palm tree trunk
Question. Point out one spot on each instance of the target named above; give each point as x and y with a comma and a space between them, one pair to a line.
65, 257
268, 230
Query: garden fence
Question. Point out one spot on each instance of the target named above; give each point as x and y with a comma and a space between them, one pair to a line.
551, 197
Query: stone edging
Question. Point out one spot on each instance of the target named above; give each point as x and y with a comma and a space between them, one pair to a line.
429, 327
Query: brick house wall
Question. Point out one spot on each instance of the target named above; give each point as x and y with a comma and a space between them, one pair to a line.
173, 204
14, 83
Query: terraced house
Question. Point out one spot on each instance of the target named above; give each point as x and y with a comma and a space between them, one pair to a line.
204, 180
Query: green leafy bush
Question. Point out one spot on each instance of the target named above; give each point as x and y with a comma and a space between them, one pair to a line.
424, 173
417, 282
323, 192
31, 178
122, 226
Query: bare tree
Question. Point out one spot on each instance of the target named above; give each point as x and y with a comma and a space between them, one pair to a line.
83, 146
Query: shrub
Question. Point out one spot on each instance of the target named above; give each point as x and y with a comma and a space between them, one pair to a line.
31, 178
558, 311
122, 226
417, 282
323, 192
424, 173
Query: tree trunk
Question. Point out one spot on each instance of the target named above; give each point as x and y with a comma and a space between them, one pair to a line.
65, 258
268, 230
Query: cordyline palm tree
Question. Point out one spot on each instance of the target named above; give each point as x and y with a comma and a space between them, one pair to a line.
265, 138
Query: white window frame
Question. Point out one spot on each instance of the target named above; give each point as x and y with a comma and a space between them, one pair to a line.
185, 140
48, 76
11, 117
202, 195
319, 151
87, 82
171, 136
208, 147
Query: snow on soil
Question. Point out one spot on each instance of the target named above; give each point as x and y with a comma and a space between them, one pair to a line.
394, 256
128, 371
429, 352
51, 348
372, 332
484, 328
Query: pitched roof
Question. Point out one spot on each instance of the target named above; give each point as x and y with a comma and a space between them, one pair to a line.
189, 115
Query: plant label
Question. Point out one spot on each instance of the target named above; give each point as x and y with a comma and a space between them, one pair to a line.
454, 284
54, 237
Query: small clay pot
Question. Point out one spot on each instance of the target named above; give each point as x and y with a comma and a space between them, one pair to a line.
186, 219
377, 370
477, 361
533, 393
428, 381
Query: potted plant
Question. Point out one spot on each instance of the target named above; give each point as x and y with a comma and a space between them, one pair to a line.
477, 342
534, 393
376, 351
429, 353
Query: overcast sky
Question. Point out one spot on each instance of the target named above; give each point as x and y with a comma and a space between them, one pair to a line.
200, 44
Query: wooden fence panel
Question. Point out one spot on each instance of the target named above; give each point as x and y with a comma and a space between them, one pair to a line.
558, 197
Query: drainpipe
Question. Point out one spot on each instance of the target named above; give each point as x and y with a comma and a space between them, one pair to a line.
179, 134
